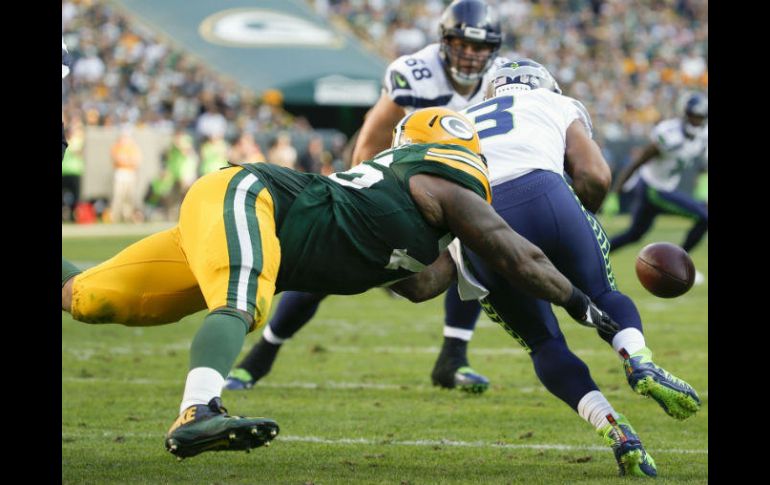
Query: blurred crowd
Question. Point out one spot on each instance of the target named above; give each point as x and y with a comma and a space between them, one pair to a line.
629, 61
124, 75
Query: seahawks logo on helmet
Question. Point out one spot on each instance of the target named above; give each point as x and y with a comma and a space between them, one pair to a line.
524, 74
457, 127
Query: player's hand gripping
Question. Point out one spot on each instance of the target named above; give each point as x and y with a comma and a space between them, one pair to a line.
585, 312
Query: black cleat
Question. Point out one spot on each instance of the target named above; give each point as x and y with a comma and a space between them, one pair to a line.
208, 427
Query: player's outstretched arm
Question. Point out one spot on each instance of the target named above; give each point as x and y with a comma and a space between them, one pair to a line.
650, 151
446, 205
430, 282
591, 175
377, 130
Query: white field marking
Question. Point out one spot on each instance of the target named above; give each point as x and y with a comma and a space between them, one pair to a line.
127, 229
318, 385
421, 443
85, 352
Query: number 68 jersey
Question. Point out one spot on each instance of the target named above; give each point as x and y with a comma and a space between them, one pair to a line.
358, 229
525, 131
420, 81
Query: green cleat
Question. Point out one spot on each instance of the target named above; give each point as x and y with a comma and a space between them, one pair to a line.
470, 381
629, 453
239, 380
677, 398
208, 427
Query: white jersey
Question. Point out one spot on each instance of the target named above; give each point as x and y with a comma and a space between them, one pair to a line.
420, 81
677, 153
525, 131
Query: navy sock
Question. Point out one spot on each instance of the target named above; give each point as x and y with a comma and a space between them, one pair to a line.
458, 313
295, 309
695, 235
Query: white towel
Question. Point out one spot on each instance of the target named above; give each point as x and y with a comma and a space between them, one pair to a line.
468, 286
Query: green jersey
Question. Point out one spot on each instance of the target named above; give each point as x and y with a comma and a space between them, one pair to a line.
354, 230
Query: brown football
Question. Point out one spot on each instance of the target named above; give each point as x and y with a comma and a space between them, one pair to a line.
665, 269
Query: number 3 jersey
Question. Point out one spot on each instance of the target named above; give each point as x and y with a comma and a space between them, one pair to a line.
358, 229
419, 81
525, 131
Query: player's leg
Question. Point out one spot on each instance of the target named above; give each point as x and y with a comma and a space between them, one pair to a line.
148, 283
583, 256
642, 216
683, 205
532, 323
452, 368
234, 254
294, 311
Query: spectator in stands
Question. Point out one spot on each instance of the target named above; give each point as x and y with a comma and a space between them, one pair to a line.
281, 152
182, 162
71, 170
126, 158
213, 154
246, 150
311, 159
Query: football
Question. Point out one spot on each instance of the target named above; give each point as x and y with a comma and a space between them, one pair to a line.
665, 269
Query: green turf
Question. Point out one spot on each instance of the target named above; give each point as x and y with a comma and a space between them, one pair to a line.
353, 398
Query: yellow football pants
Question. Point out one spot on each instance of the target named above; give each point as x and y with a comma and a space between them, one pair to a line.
223, 252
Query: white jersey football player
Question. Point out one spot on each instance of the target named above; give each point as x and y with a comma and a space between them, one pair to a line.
532, 137
675, 145
449, 74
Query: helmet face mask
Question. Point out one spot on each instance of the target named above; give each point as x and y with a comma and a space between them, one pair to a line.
436, 125
470, 40
521, 75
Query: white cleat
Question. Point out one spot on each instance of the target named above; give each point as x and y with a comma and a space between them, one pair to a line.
699, 278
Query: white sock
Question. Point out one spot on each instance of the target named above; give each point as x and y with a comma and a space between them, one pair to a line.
203, 384
461, 333
271, 337
630, 339
594, 408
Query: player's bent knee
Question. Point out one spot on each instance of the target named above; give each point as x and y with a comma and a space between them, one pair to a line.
245, 317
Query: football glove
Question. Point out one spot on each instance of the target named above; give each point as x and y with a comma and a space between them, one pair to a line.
586, 313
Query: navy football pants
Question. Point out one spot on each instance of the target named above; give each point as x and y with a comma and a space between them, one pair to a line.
542, 208
649, 203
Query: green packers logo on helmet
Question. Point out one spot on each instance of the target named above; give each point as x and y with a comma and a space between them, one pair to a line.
457, 127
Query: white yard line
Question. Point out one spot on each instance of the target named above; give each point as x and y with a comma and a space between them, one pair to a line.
309, 385
386, 442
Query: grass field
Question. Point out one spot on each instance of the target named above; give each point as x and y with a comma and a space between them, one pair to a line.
352, 395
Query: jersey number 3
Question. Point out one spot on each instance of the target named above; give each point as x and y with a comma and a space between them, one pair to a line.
493, 117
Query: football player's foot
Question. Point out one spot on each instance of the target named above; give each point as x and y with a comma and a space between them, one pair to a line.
208, 427
239, 380
629, 453
677, 398
464, 378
